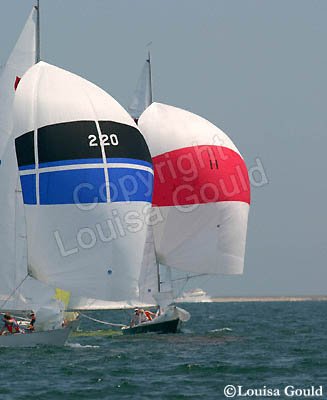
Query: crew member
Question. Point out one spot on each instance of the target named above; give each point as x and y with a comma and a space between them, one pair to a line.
10, 324
31, 326
149, 315
138, 317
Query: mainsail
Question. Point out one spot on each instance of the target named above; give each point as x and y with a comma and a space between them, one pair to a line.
17, 290
142, 96
86, 178
22, 57
149, 280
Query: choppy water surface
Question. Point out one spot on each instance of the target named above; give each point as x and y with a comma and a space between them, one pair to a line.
248, 344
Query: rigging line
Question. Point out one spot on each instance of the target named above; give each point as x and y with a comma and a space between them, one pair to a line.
186, 278
15, 233
101, 322
14, 291
195, 276
18, 317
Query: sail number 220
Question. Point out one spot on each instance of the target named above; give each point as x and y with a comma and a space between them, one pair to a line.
105, 140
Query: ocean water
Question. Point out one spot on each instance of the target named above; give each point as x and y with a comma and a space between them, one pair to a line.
253, 345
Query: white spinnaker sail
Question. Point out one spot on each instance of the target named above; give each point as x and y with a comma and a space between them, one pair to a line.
86, 178
142, 96
22, 57
148, 285
201, 189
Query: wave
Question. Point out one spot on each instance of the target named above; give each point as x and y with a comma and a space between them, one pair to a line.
80, 346
221, 330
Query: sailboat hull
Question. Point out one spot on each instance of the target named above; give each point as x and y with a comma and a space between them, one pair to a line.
55, 337
169, 321
171, 326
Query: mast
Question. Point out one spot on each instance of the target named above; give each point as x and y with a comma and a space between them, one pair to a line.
158, 276
37, 36
150, 77
151, 100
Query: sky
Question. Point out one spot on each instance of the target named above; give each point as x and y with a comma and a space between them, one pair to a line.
256, 69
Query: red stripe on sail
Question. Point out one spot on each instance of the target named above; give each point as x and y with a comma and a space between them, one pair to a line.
17, 80
200, 174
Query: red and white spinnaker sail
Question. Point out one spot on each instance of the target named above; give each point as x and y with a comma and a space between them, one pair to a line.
201, 190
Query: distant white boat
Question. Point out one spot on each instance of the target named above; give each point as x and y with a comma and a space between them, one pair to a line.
194, 296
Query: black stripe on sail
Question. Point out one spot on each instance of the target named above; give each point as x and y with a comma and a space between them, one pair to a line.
25, 149
68, 141
79, 140
131, 143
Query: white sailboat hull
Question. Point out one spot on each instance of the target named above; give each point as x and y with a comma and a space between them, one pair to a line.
55, 337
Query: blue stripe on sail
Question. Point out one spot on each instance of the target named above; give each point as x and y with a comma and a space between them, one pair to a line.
73, 186
129, 184
25, 167
28, 183
71, 162
129, 161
